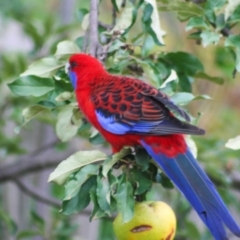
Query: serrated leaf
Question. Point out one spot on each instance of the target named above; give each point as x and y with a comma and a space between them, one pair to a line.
110, 161
66, 48
45, 67
125, 200
73, 163
31, 86
31, 112
233, 143
103, 195
65, 127
81, 200
209, 37
73, 186
204, 76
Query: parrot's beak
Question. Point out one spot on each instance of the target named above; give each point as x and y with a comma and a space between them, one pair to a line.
67, 66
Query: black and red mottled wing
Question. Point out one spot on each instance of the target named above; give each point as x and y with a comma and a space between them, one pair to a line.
125, 105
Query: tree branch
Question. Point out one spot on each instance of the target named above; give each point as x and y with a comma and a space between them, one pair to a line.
30, 165
33, 192
93, 28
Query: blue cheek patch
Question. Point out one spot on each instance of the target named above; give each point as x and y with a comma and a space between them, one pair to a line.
73, 78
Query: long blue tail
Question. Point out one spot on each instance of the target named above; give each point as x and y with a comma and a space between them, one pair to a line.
196, 186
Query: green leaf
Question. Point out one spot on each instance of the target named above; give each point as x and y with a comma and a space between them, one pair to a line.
150, 70
185, 10
142, 180
73, 163
97, 212
233, 143
65, 127
45, 67
103, 195
151, 19
142, 158
73, 186
125, 19
183, 98
232, 9
209, 37
185, 83
7, 222
192, 230
81, 13
125, 200
81, 200
116, 45
27, 234
198, 23
64, 96
204, 76
165, 181
184, 62
31, 86
30, 112
110, 161
215, 4
66, 48
232, 41
97, 139
37, 220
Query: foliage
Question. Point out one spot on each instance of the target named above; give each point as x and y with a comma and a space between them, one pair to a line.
134, 46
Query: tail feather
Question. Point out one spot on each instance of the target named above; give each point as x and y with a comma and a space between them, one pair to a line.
193, 182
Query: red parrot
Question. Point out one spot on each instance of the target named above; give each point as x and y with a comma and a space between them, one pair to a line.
129, 112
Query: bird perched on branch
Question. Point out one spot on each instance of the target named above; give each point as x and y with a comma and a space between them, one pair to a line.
129, 112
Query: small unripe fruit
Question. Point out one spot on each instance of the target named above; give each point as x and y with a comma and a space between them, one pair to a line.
151, 221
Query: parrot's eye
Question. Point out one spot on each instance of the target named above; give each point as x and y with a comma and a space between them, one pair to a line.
73, 64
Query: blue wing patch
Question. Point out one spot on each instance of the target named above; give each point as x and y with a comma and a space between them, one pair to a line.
110, 124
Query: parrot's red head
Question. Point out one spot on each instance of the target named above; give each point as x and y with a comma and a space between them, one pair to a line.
83, 67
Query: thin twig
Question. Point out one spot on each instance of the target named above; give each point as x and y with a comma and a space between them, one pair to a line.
34, 193
93, 28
